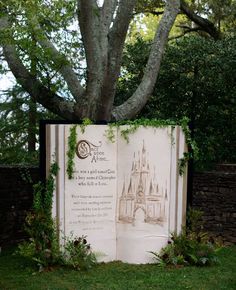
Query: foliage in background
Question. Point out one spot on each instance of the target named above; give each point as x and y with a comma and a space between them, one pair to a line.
190, 247
19, 127
198, 80
220, 12
43, 246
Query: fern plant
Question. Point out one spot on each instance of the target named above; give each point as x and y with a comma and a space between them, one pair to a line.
191, 247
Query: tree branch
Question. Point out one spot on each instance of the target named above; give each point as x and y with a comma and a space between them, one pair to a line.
186, 31
205, 24
152, 12
118, 32
137, 101
108, 10
28, 81
116, 39
89, 15
59, 60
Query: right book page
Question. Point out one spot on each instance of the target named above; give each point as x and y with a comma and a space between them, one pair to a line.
146, 185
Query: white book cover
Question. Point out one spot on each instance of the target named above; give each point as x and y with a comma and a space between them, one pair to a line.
126, 197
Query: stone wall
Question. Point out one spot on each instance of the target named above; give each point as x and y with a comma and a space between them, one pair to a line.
215, 194
16, 195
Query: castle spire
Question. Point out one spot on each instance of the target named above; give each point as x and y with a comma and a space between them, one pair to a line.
166, 197
143, 150
123, 190
143, 155
130, 187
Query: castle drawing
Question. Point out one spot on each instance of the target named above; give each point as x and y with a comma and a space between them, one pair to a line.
142, 193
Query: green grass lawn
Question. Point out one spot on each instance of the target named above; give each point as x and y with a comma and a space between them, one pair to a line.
16, 273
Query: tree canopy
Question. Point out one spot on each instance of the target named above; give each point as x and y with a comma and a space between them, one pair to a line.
57, 34
197, 79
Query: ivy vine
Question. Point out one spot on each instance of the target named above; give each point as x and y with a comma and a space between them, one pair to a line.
71, 151
192, 146
134, 125
43, 193
72, 140
85, 122
131, 128
43, 245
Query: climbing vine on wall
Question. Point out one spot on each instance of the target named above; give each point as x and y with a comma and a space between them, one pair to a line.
71, 151
132, 127
43, 245
72, 140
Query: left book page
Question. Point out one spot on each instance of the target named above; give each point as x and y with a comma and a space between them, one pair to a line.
90, 196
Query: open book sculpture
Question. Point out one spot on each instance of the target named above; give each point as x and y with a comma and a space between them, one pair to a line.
125, 197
